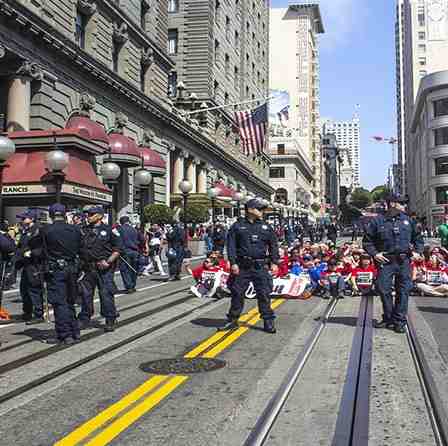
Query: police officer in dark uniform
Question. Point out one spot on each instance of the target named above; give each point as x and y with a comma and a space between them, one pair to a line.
176, 246
219, 238
390, 239
131, 242
29, 256
62, 243
101, 247
251, 244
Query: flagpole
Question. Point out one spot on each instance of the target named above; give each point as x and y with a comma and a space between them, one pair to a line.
200, 110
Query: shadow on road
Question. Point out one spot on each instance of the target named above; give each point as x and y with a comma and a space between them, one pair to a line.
437, 310
343, 320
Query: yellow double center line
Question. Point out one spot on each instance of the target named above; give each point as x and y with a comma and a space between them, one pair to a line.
150, 393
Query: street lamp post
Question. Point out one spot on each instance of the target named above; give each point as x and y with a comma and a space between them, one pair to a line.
110, 172
213, 193
185, 187
7, 148
239, 197
142, 179
56, 162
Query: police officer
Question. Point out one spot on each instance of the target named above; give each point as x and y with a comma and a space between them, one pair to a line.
332, 232
62, 243
29, 256
219, 238
131, 242
176, 244
251, 243
101, 247
390, 238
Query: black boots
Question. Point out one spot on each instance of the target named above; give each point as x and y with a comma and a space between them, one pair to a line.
269, 326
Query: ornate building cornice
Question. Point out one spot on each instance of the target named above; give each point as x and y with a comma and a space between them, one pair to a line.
87, 7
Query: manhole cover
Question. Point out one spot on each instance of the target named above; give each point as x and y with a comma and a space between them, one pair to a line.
182, 366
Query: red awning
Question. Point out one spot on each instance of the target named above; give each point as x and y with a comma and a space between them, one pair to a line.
124, 149
224, 191
152, 160
94, 130
29, 167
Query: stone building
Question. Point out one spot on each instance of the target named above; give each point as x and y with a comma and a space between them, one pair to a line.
101, 69
294, 70
428, 150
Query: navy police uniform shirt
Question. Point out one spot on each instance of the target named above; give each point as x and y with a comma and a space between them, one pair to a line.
100, 241
392, 233
63, 240
130, 237
175, 237
256, 241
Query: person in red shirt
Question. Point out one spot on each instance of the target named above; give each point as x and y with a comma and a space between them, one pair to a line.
332, 281
364, 276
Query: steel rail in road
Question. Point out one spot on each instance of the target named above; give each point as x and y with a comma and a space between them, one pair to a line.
352, 424
48, 377
267, 419
436, 409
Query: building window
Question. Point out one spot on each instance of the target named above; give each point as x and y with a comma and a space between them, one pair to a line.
115, 56
442, 195
422, 48
236, 77
237, 39
215, 90
217, 50
226, 98
441, 107
143, 71
421, 16
173, 5
280, 149
422, 35
172, 84
422, 61
227, 65
228, 28
441, 136
217, 11
144, 9
80, 30
277, 172
173, 41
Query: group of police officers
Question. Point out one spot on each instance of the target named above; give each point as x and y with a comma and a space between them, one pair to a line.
71, 261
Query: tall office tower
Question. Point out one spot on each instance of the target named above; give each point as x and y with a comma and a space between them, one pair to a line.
348, 136
421, 49
294, 83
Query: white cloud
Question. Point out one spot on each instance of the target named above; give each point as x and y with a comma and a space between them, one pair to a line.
340, 18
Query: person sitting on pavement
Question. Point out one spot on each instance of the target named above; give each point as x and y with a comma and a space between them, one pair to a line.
332, 281
433, 279
208, 278
363, 277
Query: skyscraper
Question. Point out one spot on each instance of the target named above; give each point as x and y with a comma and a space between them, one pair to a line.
348, 139
294, 82
421, 49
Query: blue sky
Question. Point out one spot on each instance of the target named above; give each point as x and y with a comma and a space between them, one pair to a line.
357, 61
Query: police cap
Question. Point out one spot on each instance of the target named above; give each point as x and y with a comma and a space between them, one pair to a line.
253, 203
124, 219
57, 209
95, 210
33, 214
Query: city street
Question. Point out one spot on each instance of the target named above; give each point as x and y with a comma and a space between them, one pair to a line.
97, 392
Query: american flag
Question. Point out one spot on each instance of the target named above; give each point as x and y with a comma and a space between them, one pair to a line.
283, 116
252, 126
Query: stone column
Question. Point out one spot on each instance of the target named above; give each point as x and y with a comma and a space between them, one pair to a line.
178, 174
19, 96
191, 173
202, 179
169, 175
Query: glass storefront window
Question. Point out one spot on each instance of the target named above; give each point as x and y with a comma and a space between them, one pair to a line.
442, 195
441, 107
442, 166
441, 136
